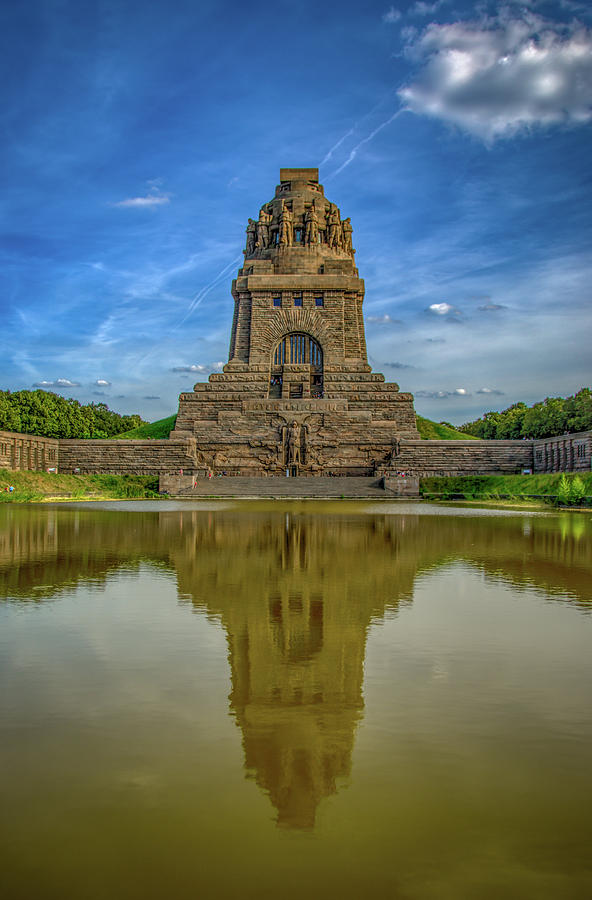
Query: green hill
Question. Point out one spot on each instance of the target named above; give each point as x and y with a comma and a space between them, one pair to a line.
428, 430
433, 431
151, 431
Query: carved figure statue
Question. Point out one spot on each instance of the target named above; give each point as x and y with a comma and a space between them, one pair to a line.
346, 227
293, 437
396, 449
311, 235
294, 443
251, 237
333, 228
263, 229
286, 237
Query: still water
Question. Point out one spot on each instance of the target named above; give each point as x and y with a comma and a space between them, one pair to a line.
294, 699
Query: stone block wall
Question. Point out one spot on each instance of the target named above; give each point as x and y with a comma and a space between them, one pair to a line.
566, 453
27, 452
125, 457
425, 458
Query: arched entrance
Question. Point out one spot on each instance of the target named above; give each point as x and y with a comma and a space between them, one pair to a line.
296, 367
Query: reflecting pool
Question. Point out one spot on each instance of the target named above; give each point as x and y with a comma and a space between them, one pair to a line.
283, 699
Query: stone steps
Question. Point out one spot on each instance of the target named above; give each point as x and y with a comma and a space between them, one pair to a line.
278, 486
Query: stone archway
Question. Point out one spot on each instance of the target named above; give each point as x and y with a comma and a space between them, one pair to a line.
296, 367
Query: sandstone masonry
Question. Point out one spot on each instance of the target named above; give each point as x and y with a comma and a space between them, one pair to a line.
297, 395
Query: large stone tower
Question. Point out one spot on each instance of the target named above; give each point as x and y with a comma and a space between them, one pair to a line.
297, 393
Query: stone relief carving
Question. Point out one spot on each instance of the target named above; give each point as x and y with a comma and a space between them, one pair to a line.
263, 229
311, 233
346, 228
286, 236
293, 443
334, 234
251, 237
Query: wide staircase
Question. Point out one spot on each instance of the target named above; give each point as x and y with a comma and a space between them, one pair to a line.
277, 486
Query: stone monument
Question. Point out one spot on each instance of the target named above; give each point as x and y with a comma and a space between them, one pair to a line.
297, 395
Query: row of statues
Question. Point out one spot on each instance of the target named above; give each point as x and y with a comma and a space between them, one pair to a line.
337, 234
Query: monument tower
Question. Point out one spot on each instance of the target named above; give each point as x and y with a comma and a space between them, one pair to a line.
297, 394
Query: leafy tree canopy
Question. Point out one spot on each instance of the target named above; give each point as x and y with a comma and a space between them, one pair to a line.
50, 415
549, 418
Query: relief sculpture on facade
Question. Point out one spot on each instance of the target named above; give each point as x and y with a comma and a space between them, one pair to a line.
263, 229
286, 235
251, 237
311, 234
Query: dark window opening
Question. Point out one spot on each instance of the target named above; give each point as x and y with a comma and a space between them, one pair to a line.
298, 300
319, 301
298, 233
277, 301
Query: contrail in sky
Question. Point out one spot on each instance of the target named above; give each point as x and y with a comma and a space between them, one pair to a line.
366, 140
335, 146
204, 291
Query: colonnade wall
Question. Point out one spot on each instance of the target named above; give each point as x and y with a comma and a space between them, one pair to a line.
27, 451
565, 453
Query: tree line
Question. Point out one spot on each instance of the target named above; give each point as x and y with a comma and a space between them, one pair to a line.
51, 415
548, 418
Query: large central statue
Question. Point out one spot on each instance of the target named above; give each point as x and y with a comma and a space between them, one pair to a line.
297, 362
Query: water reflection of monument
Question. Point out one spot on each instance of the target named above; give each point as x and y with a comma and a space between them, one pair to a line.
296, 606
296, 593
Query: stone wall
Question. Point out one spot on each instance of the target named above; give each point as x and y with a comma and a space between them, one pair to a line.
124, 457
425, 458
27, 451
566, 453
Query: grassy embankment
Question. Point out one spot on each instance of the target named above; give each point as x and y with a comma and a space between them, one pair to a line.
502, 487
31, 487
151, 431
428, 431
434, 431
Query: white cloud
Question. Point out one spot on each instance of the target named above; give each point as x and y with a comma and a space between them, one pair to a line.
442, 309
102, 382
150, 200
392, 15
502, 75
443, 395
154, 197
200, 370
490, 391
58, 383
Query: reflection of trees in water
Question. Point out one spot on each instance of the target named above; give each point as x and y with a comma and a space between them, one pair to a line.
295, 593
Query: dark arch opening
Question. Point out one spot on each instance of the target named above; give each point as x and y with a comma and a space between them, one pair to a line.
297, 349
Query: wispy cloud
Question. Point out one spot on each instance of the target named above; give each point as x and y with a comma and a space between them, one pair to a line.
383, 320
154, 197
102, 382
491, 307
491, 391
392, 15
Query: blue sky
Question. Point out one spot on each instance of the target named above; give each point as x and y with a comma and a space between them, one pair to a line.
138, 137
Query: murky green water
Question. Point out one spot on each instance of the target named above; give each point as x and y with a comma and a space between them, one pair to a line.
299, 699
